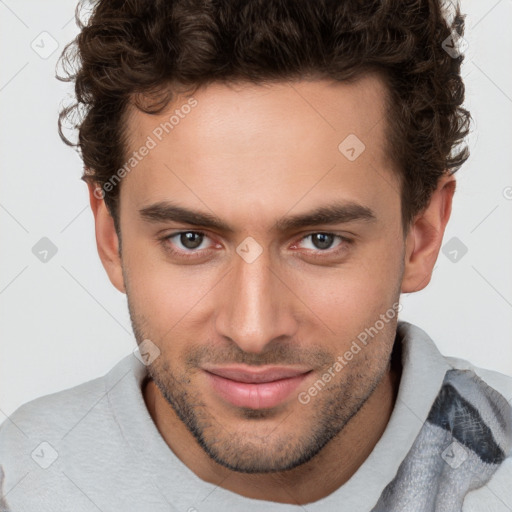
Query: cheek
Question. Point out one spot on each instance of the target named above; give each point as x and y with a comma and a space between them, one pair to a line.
164, 294
351, 287
176, 304
353, 296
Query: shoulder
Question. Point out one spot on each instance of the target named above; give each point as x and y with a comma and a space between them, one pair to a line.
415, 340
52, 413
39, 433
55, 413
464, 447
498, 381
496, 495
479, 414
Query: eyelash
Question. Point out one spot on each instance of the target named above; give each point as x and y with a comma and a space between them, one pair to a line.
190, 254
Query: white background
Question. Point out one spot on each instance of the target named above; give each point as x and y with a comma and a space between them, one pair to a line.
62, 323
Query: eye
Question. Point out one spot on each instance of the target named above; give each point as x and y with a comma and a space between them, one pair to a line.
322, 241
187, 241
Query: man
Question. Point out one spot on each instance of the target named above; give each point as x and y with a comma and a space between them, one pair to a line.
267, 177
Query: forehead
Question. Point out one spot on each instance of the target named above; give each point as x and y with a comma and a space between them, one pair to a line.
263, 144
326, 105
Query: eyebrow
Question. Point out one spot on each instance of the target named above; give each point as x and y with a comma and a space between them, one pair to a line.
337, 213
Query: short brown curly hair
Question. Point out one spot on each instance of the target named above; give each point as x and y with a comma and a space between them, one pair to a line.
154, 48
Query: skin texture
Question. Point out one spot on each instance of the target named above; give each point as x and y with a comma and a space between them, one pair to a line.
250, 155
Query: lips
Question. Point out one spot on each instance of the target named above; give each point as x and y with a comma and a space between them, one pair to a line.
257, 376
260, 388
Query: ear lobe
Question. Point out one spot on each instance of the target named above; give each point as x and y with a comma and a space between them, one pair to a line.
425, 237
107, 240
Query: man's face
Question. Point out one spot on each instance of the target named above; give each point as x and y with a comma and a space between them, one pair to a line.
250, 313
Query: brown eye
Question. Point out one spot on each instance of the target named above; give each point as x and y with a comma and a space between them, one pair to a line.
189, 246
188, 242
324, 246
191, 239
322, 240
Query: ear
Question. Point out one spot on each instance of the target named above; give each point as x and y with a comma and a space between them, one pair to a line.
107, 240
425, 237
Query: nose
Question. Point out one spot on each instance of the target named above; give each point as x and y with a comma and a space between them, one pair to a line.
256, 307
